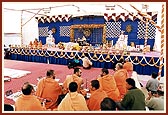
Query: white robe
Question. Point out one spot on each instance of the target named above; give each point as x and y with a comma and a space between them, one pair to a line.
50, 41
122, 41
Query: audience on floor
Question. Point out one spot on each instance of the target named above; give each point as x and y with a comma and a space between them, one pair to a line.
155, 101
134, 99
120, 76
152, 84
128, 65
108, 104
109, 92
86, 63
48, 88
28, 101
108, 84
97, 95
73, 101
74, 63
75, 77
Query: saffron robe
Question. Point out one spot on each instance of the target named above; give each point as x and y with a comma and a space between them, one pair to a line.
120, 77
95, 99
72, 78
108, 84
28, 103
128, 66
73, 101
49, 89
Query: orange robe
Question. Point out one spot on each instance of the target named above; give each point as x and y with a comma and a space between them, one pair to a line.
49, 89
73, 101
31, 44
108, 84
35, 43
72, 78
120, 77
128, 66
28, 103
95, 99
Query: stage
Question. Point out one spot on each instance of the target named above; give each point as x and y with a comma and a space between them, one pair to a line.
144, 64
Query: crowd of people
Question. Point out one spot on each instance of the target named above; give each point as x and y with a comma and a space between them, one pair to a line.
108, 92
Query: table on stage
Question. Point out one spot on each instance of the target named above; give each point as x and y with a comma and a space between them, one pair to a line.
144, 64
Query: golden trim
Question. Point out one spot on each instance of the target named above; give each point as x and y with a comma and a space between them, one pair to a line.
88, 26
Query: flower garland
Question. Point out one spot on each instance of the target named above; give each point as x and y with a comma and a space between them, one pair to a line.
95, 57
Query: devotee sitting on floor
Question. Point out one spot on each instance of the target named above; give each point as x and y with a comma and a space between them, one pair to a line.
120, 76
50, 41
134, 99
74, 63
75, 77
28, 101
86, 63
108, 84
108, 104
73, 101
49, 89
152, 84
128, 65
155, 101
97, 95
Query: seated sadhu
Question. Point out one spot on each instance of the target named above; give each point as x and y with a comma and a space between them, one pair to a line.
73, 101
31, 44
35, 43
108, 84
120, 76
40, 44
97, 95
128, 65
75, 77
27, 101
48, 88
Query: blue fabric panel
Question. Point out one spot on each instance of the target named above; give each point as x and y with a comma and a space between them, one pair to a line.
132, 36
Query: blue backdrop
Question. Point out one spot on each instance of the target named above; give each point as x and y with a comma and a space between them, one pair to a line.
65, 37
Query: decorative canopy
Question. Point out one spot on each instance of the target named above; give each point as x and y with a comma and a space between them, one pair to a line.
55, 18
125, 16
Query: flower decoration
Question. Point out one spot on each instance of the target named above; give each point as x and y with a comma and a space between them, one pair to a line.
53, 30
128, 28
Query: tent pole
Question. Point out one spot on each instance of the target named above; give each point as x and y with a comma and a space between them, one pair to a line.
21, 33
162, 42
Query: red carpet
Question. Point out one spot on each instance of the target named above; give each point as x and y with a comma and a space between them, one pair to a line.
39, 69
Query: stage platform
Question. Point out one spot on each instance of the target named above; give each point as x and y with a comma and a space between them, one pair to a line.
144, 64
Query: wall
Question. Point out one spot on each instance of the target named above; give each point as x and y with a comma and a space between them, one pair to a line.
132, 36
